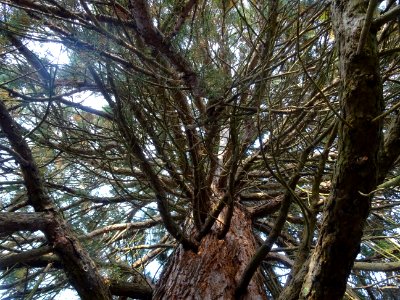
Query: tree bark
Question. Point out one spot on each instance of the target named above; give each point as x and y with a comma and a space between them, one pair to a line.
214, 271
356, 168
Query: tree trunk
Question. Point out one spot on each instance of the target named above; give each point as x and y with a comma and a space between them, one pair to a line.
356, 167
214, 271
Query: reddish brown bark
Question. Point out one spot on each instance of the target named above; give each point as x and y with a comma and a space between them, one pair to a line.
214, 271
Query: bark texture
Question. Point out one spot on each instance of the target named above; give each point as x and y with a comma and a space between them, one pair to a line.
356, 167
214, 271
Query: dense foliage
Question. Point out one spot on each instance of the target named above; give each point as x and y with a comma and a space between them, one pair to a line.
145, 121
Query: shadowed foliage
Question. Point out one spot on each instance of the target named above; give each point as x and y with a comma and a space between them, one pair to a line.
199, 149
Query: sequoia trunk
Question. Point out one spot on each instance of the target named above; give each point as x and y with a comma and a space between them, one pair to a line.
214, 271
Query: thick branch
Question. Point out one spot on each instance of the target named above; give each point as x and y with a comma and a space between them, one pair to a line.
36, 195
136, 290
356, 167
390, 15
11, 222
35, 258
378, 266
40, 258
267, 208
79, 267
31, 58
367, 25
154, 38
125, 226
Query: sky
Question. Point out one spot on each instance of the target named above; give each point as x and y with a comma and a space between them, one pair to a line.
57, 54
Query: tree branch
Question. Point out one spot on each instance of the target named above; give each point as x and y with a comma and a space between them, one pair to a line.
79, 267
35, 258
386, 17
367, 25
134, 289
154, 38
11, 222
377, 266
